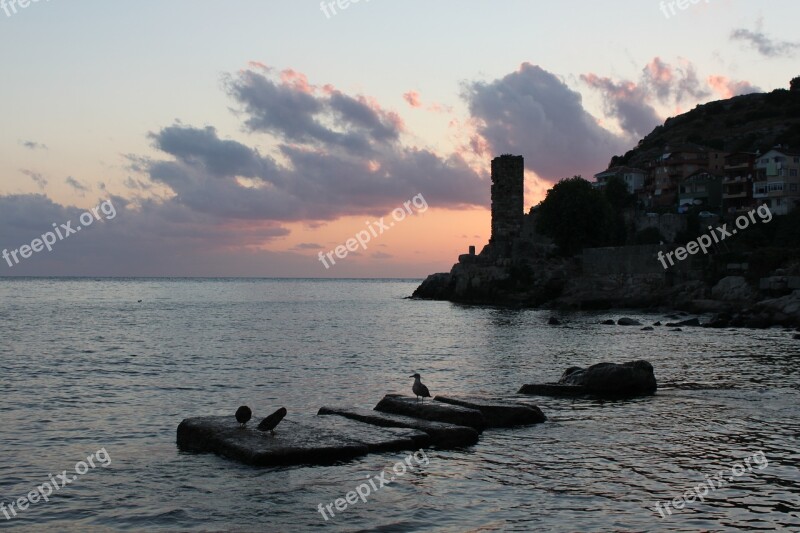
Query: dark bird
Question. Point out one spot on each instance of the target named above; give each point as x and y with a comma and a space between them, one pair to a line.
419, 389
243, 415
269, 423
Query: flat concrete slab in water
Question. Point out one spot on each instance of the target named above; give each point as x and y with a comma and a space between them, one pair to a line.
434, 411
292, 444
376, 438
498, 413
440, 433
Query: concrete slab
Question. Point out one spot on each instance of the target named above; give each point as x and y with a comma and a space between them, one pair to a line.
441, 434
498, 413
292, 444
376, 438
434, 411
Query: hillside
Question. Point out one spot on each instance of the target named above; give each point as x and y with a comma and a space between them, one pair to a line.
743, 123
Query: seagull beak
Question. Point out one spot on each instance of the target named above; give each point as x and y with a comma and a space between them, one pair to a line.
411, 376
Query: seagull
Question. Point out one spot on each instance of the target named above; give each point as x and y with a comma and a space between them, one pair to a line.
419, 389
269, 423
243, 415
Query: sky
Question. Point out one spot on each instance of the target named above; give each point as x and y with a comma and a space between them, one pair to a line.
293, 138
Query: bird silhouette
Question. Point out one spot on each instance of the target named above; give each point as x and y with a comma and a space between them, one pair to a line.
420, 390
243, 415
269, 423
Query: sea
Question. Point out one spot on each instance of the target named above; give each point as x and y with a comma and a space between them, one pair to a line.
108, 368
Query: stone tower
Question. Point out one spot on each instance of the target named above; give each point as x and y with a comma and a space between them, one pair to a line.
508, 197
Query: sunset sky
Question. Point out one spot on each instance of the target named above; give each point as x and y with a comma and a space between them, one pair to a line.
242, 138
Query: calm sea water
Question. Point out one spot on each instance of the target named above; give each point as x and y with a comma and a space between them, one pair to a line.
84, 366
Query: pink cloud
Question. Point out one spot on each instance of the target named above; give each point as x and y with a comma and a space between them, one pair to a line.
413, 99
297, 81
728, 88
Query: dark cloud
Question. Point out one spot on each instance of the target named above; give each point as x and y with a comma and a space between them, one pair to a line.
765, 45
135, 184
340, 155
532, 113
150, 238
76, 185
33, 145
297, 112
307, 246
37, 178
627, 102
673, 83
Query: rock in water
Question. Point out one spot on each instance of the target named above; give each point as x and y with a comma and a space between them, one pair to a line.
271, 422
612, 379
243, 415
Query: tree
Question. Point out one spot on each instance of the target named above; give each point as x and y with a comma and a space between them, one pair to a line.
794, 85
575, 215
616, 192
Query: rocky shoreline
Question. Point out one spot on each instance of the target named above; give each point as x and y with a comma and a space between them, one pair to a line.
564, 284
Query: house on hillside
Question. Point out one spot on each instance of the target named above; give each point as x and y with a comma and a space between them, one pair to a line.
633, 177
737, 183
777, 180
678, 162
702, 189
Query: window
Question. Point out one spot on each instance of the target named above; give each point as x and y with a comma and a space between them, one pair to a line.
774, 187
793, 172
793, 187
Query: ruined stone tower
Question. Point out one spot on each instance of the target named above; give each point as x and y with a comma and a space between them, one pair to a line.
508, 197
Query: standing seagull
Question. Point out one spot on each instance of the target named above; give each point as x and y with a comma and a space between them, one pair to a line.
243, 415
269, 423
419, 389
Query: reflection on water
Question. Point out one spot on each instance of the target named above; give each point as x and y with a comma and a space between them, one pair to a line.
86, 366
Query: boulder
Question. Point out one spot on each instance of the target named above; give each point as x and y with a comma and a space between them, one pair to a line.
498, 413
608, 322
611, 380
440, 433
733, 289
292, 444
648, 328
625, 321
397, 404
554, 321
